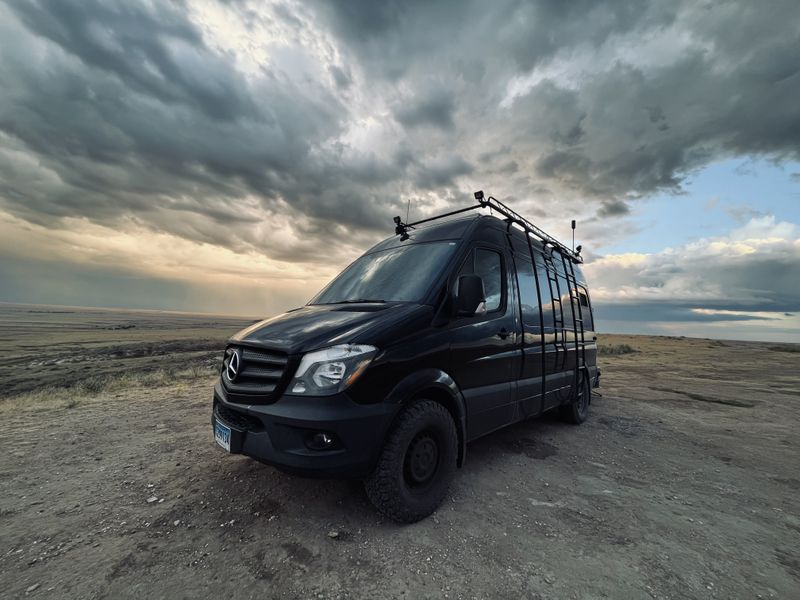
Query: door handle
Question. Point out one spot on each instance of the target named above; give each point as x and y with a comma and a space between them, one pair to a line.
503, 333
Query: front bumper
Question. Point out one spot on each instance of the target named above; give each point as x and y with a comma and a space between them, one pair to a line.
279, 434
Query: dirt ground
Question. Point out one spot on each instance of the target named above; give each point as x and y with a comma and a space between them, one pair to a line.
683, 483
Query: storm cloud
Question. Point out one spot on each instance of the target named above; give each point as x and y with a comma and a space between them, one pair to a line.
296, 131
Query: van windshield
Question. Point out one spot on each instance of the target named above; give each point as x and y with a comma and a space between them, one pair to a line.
401, 274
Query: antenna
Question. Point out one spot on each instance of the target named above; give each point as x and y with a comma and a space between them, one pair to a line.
573, 235
408, 208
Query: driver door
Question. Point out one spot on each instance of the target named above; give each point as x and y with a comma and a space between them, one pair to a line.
485, 347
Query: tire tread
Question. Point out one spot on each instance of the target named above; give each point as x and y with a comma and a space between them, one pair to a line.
382, 486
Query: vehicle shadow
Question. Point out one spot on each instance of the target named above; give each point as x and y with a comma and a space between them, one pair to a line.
530, 438
255, 491
268, 491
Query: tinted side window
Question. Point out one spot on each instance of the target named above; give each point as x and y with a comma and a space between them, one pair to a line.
527, 292
544, 290
586, 311
566, 302
468, 268
489, 266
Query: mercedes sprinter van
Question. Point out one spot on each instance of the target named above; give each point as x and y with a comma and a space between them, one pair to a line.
447, 331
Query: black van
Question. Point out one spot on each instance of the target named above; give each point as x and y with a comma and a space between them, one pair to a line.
434, 337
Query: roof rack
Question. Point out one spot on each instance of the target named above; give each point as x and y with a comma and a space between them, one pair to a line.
491, 202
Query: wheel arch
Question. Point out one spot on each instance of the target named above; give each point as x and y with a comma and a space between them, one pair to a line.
436, 385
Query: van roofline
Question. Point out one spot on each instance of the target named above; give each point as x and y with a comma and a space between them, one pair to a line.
511, 217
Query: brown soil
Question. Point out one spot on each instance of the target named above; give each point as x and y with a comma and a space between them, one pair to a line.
683, 483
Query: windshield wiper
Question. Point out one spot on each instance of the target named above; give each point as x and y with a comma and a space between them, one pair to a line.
360, 301
353, 301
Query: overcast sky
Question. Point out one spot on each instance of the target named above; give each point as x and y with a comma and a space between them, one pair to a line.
233, 156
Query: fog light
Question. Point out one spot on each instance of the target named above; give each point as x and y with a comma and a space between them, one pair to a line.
321, 441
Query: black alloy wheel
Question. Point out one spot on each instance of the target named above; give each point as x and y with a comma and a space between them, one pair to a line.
422, 459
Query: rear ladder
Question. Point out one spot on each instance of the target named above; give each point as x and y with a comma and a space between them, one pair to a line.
578, 328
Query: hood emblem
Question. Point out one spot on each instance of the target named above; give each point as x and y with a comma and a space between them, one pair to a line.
234, 363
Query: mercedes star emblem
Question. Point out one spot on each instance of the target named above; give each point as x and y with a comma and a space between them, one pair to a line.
233, 366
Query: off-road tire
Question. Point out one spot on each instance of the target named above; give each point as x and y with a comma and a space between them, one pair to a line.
392, 487
577, 410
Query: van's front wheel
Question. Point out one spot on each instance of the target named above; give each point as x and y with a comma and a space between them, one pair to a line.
416, 463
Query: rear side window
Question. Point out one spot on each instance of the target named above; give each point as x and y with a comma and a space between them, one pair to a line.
527, 292
566, 302
487, 264
544, 290
586, 311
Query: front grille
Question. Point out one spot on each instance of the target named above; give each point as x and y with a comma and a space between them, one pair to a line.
237, 419
260, 371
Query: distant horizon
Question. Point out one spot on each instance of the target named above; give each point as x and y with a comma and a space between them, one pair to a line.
131, 309
256, 318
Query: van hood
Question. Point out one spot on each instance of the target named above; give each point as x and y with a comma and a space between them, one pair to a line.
317, 326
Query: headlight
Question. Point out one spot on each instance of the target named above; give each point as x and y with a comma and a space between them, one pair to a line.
331, 370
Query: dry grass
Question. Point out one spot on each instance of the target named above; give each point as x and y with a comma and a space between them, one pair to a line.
615, 349
98, 387
786, 348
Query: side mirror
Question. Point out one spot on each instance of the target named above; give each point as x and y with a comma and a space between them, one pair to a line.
470, 299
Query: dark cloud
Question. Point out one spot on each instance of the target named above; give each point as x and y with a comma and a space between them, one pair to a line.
613, 208
342, 79
436, 110
636, 123
542, 28
130, 103
132, 114
388, 37
392, 37
442, 173
151, 49
638, 130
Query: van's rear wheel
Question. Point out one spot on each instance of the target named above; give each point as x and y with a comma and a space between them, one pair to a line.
416, 464
578, 409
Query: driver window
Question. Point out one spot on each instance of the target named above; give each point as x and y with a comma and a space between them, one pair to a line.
488, 265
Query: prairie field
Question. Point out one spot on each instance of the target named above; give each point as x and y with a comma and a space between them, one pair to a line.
683, 483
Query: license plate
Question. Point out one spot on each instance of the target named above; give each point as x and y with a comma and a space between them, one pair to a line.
222, 434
